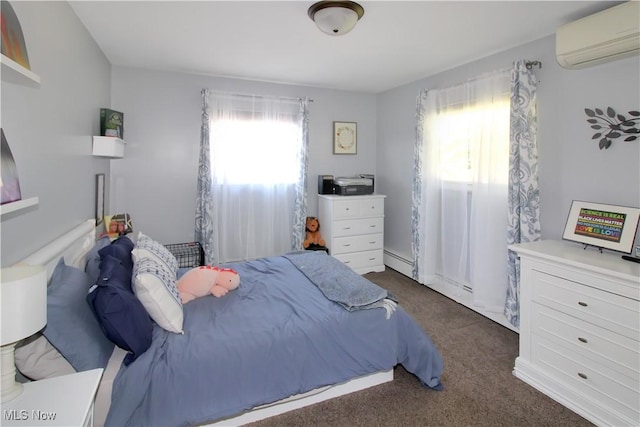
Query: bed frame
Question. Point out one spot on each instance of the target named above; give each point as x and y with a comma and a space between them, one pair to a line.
74, 245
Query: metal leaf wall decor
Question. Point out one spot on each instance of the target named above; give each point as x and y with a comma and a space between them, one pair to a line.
610, 125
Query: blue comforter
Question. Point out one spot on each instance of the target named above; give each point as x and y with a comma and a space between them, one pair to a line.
273, 337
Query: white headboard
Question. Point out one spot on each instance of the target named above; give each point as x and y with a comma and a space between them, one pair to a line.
73, 246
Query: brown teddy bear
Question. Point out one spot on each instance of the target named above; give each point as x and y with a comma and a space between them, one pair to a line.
313, 238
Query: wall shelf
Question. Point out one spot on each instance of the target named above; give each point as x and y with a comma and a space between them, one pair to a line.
17, 205
13, 72
108, 146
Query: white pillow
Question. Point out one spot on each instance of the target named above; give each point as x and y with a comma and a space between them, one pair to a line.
155, 287
146, 247
37, 359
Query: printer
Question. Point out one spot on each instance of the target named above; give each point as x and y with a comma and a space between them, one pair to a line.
346, 186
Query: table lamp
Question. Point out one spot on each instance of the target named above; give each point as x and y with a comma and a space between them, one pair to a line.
23, 300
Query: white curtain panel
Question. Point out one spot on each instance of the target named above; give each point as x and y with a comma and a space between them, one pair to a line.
460, 188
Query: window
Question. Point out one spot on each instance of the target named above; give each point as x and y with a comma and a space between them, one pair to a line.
255, 152
460, 135
463, 159
254, 176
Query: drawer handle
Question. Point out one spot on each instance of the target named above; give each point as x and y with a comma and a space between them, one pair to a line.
346, 245
581, 303
583, 376
346, 209
346, 262
372, 243
584, 340
346, 228
372, 259
372, 226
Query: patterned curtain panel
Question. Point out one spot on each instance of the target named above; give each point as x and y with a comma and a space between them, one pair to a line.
300, 213
204, 202
524, 192
416, 193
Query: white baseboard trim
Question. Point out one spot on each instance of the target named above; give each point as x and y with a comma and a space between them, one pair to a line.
404, 266
398, 262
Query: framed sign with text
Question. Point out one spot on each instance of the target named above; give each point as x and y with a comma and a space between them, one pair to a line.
604, 226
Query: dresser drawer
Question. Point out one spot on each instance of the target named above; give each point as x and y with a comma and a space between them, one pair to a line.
352, 227
353, 207
597, 382
363, 261
600, 345
366, 242
371, 207
601, 308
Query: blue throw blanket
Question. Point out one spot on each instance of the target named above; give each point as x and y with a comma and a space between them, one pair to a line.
341, 284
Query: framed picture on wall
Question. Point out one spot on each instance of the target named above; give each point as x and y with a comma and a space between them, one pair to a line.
604, 226
345, 138
99, 198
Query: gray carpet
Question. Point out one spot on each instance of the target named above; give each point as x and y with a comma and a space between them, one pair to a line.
479, 388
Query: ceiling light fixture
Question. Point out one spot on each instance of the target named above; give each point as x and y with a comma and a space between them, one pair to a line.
335, 17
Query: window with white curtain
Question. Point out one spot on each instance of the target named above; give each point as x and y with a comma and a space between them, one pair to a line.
463, 156
256, 146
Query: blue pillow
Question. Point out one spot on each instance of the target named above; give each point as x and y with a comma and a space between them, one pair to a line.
114, 272
120, 249
71, 326
92, 259
122, 317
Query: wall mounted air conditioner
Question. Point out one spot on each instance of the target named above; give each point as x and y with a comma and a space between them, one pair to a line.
605, 36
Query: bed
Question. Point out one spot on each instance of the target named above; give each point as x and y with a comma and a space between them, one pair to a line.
276, 343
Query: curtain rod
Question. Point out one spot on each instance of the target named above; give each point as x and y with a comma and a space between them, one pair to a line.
249, 95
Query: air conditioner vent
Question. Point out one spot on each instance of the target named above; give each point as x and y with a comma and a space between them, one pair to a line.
611, 34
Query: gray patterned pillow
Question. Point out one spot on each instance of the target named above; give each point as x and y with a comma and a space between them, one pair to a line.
146, 247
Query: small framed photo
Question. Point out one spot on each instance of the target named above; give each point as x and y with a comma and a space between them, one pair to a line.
604, 226
99, 198
345, 138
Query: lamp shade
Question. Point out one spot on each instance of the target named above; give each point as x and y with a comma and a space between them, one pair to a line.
23, 295
335, 17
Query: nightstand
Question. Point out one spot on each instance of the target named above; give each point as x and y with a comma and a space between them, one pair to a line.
61, 401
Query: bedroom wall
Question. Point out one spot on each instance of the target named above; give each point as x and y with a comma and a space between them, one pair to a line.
156, 181
49, 128
571, 165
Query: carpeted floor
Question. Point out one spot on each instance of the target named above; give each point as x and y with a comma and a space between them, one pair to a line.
479, 388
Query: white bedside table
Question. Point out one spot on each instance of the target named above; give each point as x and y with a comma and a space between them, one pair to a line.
65, 401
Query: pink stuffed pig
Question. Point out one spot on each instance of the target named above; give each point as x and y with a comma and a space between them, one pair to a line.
205, 280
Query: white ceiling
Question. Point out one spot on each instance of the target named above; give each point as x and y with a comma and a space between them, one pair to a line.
395, 42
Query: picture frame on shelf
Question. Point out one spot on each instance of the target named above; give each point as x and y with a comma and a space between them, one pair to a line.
99, 198
345, 138
9, 182
602, 225
111, 123
13, 44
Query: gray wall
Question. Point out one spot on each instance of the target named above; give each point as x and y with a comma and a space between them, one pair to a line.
156, 181
49, 131
49, 128
572, 167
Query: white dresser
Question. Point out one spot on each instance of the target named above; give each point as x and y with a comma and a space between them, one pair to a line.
353, 228
580, 329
